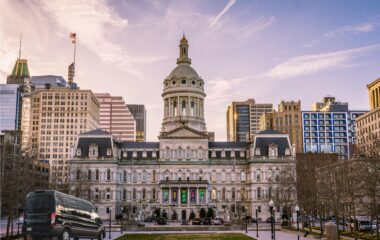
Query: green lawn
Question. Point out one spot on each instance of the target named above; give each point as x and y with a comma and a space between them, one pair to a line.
206, 236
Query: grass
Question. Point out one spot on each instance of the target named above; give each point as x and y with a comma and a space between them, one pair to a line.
206, 236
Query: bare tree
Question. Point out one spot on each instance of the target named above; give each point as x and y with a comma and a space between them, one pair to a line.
19, 175
285, 195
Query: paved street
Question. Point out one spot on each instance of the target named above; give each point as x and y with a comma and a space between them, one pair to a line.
266, 235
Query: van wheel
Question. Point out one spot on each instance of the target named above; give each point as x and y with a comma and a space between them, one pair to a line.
65, 235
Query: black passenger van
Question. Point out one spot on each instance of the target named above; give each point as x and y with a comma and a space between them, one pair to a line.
54, 214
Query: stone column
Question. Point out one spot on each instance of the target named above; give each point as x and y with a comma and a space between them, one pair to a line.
170, 195
188, 197
197, 194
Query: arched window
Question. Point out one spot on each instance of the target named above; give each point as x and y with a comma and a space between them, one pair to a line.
154, 193
200, 153
183, 107
144, 193
154, 176
188, 153
175, 108
258, 175
96, 193
167, 153
134, 193
108, 194
242, 176
124, 176
124, 194
213, 194
242, 193
89, 175
97, 175
192, 108
78, 175
108, 175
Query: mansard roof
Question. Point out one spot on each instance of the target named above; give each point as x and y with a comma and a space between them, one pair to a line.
228, 144
264, 142
142, 145
102, 143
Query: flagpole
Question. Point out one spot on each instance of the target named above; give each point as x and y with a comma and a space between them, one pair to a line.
75, 50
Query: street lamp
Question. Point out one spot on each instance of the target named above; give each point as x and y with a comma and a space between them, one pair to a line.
297, 208
109, 228
257, 223
271, 206
246, 219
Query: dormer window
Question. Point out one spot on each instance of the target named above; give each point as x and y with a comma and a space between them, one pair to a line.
273, 150
93, 150
287, 151
258, 152
109, 152
79, 152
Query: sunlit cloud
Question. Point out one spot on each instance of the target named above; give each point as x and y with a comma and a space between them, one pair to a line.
365, 27
225, 9
310, 64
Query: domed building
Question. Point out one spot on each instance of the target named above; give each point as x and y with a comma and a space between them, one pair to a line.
184, 172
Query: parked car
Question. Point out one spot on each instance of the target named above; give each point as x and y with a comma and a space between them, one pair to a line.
365, 225
217, 221
148, 219
197, 221
161, 221
206, 221
51, 214
227, 222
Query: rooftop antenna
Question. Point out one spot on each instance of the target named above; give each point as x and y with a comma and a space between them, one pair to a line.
19, 50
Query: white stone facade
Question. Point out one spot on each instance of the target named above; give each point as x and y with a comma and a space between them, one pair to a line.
184, 171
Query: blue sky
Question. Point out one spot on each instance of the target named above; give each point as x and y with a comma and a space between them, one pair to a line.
266, 50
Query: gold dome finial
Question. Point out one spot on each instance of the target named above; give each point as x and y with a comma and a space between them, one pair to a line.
183, 40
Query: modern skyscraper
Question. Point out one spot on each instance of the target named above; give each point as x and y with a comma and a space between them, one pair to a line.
58, 116
139, 114
10, 105
39, 82
20, 72
330, 128
286, 120
115, 117
243, 119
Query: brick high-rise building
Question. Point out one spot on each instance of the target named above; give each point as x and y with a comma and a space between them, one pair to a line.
243, 119
58, 116
286, 120
115, 117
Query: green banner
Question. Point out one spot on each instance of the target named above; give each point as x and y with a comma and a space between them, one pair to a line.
165, 195
202, 192
183, 195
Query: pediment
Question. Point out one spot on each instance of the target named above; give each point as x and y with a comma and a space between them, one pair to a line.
183, 132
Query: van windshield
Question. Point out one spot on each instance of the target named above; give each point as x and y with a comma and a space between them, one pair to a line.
39, 204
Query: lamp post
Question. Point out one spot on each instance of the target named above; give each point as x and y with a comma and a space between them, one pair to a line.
109, 228
257, 223
271, 206
246, 219
297, 208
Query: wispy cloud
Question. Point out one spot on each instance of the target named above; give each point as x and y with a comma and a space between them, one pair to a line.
96, 24
225, 9
310, 64
258, 25
353, 29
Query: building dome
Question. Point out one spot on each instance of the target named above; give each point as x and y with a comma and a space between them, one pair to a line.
183, 71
